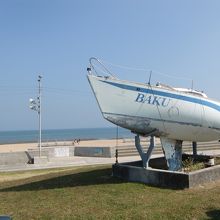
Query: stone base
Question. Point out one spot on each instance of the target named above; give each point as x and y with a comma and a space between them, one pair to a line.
40, 160
134, 172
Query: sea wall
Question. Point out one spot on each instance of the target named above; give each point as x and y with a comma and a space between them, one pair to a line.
95, 151
27, 157
13, 158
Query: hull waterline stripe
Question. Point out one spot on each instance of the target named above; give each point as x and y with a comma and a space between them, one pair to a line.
166, 94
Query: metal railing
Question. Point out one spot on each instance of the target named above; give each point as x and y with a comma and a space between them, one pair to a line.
102, 68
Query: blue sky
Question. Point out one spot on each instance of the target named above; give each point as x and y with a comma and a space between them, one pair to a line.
56, 39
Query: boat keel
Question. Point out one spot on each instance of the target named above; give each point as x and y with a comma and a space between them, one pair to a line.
173, 153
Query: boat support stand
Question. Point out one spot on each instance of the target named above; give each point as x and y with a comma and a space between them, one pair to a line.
194, 144
145, 156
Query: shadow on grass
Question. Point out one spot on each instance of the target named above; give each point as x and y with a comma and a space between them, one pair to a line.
94, 177
213, 214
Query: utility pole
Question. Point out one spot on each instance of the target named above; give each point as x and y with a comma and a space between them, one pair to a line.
39, 112
36, 106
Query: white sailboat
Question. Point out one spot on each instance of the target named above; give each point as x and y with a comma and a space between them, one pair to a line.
173, 114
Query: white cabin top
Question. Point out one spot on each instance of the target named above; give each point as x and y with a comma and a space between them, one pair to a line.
183, 90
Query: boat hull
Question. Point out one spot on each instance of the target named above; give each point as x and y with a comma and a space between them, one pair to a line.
147, 110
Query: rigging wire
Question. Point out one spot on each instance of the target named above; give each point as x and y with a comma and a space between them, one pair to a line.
125, 67
103, 71
146, 70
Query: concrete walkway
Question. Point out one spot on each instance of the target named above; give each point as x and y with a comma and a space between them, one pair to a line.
81, 161
66, 162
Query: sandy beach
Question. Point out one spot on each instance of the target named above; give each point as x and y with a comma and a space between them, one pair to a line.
90, 143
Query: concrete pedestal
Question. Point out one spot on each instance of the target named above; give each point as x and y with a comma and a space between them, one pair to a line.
134, 172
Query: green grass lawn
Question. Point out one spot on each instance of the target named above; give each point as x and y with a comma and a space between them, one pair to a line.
91, 193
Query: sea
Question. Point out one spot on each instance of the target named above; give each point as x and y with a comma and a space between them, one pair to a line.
10, 137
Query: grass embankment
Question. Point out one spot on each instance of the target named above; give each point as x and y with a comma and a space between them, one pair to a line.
91, 193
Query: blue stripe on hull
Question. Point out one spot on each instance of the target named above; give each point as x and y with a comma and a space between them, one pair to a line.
166, 94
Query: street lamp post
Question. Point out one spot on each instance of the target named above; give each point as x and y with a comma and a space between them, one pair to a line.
36, 106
